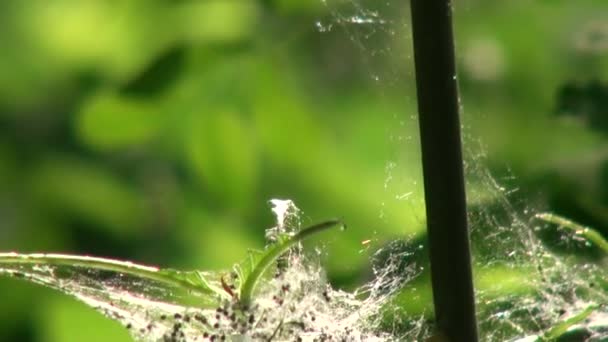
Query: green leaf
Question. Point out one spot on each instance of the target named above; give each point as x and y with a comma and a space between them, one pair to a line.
272, 254
55, 270
73, 188
216, 21
563, 327
111, 122
221, 153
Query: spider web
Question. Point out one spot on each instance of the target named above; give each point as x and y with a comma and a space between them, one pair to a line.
378, 31
539, 288
525, 288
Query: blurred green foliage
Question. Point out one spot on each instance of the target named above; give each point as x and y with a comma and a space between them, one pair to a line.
156, 130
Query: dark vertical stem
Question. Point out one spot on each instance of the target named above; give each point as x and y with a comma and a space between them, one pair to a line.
443, 170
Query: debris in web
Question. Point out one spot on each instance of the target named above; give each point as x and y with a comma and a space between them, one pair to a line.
287, 216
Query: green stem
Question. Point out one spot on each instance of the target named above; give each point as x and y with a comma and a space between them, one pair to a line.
588, 233
166, 276
275, 252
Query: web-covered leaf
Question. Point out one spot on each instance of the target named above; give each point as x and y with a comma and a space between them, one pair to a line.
149, 301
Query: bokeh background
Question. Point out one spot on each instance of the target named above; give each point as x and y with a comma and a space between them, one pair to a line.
157, 130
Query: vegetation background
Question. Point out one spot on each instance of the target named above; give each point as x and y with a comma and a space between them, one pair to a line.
157, 130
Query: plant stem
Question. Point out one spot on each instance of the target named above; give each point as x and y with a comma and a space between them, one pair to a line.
275, 252
586, 232
446, 211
